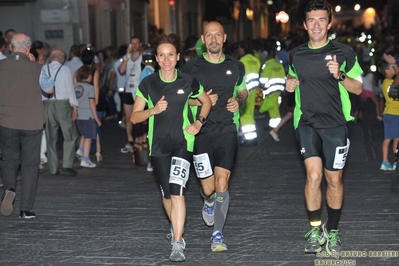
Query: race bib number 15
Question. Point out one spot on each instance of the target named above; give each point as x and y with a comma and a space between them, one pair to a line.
179, 171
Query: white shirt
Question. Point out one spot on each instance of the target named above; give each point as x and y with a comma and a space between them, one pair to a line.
368, 82
74, 64
133, 71
120, 79
64, 89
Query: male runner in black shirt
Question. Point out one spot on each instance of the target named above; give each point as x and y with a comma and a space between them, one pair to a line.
223, 77
321, 73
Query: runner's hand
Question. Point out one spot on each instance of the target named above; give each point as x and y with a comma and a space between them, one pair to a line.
161, 106
291, 84
214, 97
194, 128
232, 105
333, 67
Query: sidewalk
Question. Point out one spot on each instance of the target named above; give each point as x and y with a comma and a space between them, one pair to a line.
112, 215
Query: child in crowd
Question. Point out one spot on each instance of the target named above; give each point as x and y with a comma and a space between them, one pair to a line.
389, 69
369, 83
87, 115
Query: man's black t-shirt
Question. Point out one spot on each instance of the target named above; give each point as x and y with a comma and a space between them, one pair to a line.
321, 100
224, 78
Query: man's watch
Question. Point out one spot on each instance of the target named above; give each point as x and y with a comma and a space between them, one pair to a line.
341, 76
202, 120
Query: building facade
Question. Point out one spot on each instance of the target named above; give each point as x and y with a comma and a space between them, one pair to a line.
101, 23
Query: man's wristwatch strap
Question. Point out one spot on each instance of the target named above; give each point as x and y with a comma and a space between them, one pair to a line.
341, 76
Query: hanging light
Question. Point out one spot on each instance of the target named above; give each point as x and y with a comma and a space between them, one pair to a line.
282, 17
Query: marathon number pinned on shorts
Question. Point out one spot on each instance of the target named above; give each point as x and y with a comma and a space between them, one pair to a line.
341, 154
179, 171
202, 165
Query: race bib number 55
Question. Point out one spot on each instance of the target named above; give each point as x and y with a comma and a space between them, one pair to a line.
202, 165
179, 171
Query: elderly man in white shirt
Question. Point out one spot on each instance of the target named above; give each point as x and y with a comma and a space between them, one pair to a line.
61, 113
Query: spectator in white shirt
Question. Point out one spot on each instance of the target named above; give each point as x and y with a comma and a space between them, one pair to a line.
61, 110
74, 62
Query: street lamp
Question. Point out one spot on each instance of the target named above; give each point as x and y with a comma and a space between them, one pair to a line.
250, 13
282, 17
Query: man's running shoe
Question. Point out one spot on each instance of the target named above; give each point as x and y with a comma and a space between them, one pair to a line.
208, 212
394, 166
177, 253
315, 239
386, 166
333, 245
217, 242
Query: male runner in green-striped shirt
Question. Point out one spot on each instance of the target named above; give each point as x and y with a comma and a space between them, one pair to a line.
322, 72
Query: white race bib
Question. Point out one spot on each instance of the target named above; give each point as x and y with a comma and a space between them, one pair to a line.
179, 171
341, 154
202, 165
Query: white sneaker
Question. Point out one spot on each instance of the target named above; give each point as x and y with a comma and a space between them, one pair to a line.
127, 148
79, 155
274, 135
99, 156
87, 164
149, 167
43, 160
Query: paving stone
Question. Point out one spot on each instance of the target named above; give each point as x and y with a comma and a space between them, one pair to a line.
112, 215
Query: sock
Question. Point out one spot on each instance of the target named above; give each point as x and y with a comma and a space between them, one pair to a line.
333, 218
209, 200
80, 149
131, 143
314, 218
222, 202
85, 158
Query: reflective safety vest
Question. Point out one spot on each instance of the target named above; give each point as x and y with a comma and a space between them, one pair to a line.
252, 66
272, 77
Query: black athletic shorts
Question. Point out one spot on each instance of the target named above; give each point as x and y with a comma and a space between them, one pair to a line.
128, 98
221, 150
330, 144
172, 171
